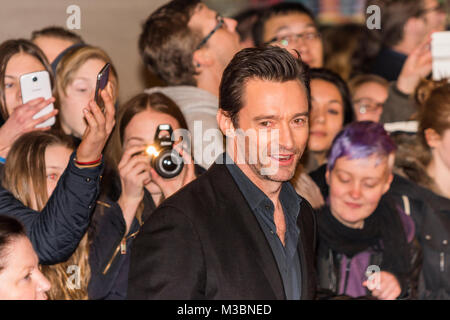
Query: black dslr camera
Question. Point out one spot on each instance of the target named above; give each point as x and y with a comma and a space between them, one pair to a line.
166, 161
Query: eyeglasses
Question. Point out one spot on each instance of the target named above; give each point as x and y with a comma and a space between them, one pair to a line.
367, 105
285, 40
220, 23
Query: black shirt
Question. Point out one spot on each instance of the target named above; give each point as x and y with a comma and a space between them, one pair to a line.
286, 256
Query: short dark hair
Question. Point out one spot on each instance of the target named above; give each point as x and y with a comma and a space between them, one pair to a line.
167, 44
267, 63
341, 85
283, 8
10, 229
57, 32
246, 20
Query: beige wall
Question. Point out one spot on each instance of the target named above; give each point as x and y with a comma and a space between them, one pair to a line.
113, 25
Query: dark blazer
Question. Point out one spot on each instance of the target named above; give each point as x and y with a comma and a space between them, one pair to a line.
204, 242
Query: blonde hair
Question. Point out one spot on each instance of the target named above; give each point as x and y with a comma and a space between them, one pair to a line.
24, 175
74, 60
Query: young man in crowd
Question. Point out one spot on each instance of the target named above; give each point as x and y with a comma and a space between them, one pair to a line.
188, 46
291, 26
239, 231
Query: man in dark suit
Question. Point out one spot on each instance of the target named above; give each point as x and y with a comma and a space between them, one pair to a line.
239, 231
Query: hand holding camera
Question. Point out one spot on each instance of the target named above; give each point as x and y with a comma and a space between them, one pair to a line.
134, 171
168, 161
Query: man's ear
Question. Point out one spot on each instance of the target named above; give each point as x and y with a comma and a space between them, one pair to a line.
201, 59
432, 137
225, 124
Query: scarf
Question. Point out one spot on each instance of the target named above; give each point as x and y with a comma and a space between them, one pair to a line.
383, 229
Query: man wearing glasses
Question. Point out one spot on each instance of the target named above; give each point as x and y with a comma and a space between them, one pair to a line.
293, 27
188, 45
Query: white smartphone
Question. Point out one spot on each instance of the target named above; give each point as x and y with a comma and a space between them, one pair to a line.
37, 85
440, 51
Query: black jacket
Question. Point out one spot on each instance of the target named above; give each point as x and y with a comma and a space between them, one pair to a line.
431, 215
109, 255
204, 242
329, 262
56, 231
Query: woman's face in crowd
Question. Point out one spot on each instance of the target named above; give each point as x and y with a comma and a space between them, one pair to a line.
327, 115
19, 64
356, 187
56, 160
285, 27
141, 130
20, 278
79, 91
368, 100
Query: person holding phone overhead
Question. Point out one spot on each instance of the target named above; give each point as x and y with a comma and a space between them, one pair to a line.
17, 58
76, 83
53, 242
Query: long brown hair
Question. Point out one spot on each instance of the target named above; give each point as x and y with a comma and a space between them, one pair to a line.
139, 103
24, 175
414, 156
7, 50
157, 102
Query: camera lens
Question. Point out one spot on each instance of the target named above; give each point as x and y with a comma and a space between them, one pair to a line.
169, 164
34, 79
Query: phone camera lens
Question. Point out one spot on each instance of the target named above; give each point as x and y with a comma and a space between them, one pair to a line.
35, 79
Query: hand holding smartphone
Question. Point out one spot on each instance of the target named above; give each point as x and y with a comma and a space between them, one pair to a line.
440, 51
102, 80
37, 85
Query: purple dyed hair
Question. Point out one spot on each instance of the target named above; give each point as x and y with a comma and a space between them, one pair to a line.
360, 140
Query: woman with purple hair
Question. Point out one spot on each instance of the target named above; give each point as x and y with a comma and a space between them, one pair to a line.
361, 230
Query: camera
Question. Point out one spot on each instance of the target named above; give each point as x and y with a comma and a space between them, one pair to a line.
166, 161
35, 79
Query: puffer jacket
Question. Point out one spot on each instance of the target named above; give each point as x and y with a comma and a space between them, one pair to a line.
56, 231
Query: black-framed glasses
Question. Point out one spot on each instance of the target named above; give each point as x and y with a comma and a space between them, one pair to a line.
285, 40
367, 105
220, 23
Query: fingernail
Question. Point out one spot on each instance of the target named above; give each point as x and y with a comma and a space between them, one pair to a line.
85, 110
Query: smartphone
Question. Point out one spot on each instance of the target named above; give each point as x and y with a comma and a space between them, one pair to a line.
37, 85
440, 51
102, 80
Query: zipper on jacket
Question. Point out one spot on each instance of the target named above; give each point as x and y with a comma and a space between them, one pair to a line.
442, 262
347, 272
123, 250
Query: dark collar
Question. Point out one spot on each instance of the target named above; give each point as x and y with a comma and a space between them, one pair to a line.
254, 196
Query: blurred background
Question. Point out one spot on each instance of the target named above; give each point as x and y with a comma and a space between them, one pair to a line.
115, 25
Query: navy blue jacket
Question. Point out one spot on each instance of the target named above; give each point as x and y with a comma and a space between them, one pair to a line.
56, 231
